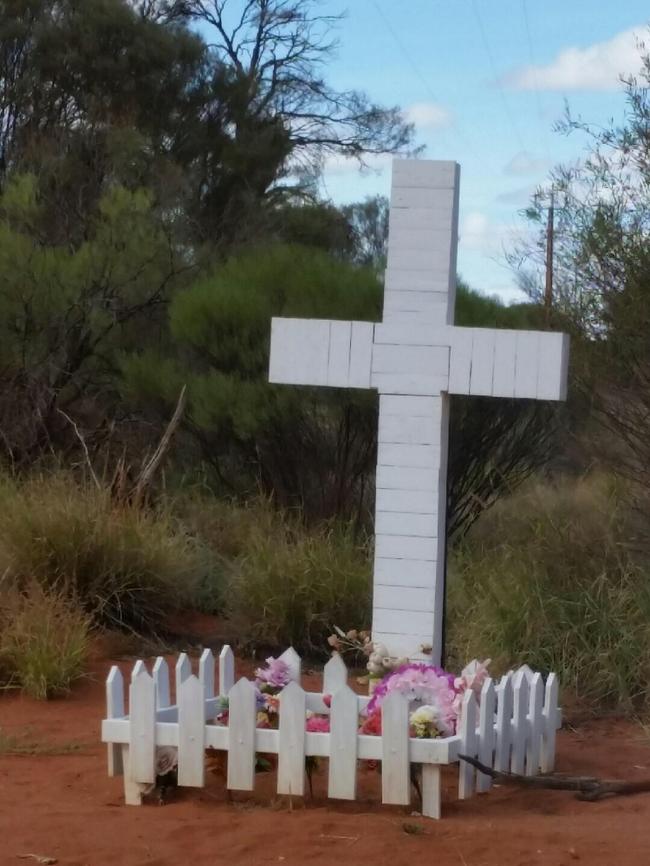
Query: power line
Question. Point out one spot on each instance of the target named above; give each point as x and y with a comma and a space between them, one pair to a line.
488, 51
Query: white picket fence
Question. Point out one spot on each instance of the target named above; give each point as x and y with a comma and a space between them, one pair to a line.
512, 727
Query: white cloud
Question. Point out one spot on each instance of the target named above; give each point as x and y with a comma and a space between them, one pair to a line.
479, 234
526, 163
428, 115
337, 165
596, 67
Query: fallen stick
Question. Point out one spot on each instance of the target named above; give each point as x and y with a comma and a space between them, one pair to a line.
586, 787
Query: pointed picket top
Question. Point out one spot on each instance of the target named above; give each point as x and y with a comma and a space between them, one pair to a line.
142, 715
137, 669
467, 731
551, 723
226, 670
486, 733
161, 678
519, 723
291, 753
527, 672
182, 672
206, 672
335, 675
536, 724
115, 710
241, 736
293, 661
344, 720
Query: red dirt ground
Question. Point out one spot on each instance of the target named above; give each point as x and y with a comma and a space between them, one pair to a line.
65, 806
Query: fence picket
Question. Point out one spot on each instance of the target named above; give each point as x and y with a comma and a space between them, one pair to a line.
486, 734
191, 733
293, 662
431, 791
550, 716
142, 711
161, 678
291, 756
519, 723
395, 766
504, 724
115, 710
241, 736
344, 720
206, 675
183, 671
468, 745
226, 670
335, 675
535, 724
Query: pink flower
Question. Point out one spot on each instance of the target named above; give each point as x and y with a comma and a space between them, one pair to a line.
275, 674
421, 684
473, 676
318, 724
327, 700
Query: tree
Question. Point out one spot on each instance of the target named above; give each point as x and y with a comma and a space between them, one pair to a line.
369, 222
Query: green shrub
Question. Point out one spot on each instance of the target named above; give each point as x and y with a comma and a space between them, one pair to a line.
553, 577
44, 639
127, 568
292, 586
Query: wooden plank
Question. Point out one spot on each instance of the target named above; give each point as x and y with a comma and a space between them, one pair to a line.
299, 351
519, 723
409, 383
423, 197
527, 364
182, 672
553, 371
338, 363
460, 360
431, 791
206, 673
161, 678
503, 724
396, 523
418, 217
132, 790
291, 756
406, 547
293, 661
417, 301
409, 280
468, 746
344, 719
480, 380
505, 361
191, 734
398, 477
409, 430
536, 725
425, 360
413, 456
404, 598
404, 572
142, 714
226, 670
436, 240
360, 354
425, 173
409, 501
405, 406
486, 734
242, 714
396, 334
390, 621
395, 766
115, 710
335, 675
551, 714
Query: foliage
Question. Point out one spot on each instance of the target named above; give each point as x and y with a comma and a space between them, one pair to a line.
127, 569
554, 577
44, 640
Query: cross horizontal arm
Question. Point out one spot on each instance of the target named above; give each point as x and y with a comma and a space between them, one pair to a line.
326, 352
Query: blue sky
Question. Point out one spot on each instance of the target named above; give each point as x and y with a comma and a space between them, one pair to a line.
481, 92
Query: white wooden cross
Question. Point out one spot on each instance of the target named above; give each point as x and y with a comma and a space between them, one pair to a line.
415, 358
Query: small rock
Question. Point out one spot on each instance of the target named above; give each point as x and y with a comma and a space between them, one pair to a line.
573, 854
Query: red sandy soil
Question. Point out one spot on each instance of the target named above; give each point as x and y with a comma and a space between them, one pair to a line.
65, 806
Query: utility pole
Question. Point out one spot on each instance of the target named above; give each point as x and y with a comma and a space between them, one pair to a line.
548, 292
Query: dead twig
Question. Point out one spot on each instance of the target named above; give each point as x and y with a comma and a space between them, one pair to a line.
586, 787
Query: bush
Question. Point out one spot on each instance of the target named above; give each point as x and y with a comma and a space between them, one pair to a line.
44, 640
552, 577
127, 568
292, 586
